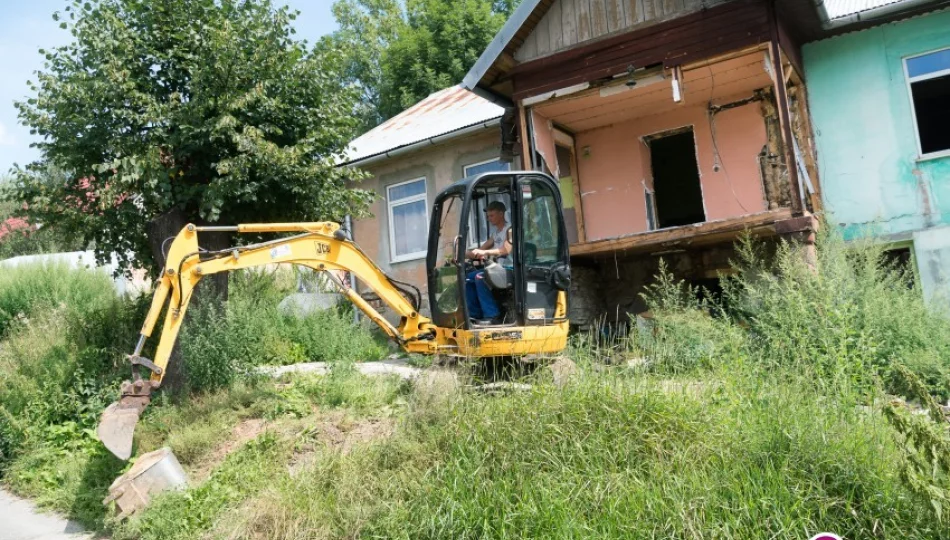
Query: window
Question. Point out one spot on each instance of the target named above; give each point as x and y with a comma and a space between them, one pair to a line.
485, 166
408, 219
928, 78
479, 223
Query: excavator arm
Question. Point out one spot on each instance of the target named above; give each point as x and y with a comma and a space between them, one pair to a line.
322, 246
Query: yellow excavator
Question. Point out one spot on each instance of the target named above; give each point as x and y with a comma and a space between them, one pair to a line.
531, 289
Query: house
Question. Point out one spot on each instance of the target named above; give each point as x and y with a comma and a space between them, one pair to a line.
674, 127
448, 135
880, 102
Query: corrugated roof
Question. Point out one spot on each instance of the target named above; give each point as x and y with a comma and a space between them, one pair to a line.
842, 8
442, 113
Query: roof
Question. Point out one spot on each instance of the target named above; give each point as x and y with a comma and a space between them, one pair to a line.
507, 40
444, 114
842, 8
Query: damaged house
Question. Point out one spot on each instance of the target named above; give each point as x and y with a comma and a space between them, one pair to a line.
674, 126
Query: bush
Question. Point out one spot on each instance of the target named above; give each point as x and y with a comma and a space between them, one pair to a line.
218, 344
60, 353
28, 290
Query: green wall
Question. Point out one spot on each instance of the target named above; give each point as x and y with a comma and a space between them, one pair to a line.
871, 178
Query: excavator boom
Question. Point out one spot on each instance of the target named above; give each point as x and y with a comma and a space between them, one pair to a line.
322, 246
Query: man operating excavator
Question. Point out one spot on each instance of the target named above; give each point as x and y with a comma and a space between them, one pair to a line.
481, 303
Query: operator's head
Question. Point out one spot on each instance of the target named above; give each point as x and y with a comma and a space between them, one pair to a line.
496, 213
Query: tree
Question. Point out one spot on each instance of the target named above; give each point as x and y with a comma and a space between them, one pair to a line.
185, 110
367, 29
399, 55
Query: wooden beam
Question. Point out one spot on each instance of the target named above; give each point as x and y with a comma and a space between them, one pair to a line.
527, 160
709, 232
784, 117
578, 203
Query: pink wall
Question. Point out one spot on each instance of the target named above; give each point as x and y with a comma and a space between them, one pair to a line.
613, 174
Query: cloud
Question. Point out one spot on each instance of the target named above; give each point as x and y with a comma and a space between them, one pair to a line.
5, 138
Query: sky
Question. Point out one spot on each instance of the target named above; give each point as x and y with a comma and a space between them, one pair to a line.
26, 27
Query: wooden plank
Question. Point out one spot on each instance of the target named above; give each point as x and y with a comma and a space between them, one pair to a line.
598, 18
578, 202
631, 12
544, 36
689, 44
784, 115
763, 223
650, 9
528, 50
555, 26
658, 46
582, 9
569, 22
525, 141
615, 15
720, 20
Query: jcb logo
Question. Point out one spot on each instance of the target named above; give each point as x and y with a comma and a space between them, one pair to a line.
322, 248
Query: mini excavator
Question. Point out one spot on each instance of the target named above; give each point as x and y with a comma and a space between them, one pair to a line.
531, 290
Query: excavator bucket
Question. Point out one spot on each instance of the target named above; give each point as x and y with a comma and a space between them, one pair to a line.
117, 424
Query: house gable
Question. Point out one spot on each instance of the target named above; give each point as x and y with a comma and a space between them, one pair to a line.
570, 23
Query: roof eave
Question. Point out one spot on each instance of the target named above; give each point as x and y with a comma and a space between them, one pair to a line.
429, 141
473, 79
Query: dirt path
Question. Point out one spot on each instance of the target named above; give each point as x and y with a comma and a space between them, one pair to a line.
22, 521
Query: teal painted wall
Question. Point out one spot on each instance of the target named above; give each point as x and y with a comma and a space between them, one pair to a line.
871, 178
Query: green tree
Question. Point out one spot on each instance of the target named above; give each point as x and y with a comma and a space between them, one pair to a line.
367, 29
185, 111
398, 53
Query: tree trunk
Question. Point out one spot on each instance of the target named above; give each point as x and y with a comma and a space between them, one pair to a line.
212, 289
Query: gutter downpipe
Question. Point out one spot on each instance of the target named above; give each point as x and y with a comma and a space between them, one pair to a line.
828, 23
431, 141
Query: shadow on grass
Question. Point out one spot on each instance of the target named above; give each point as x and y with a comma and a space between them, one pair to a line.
100, 470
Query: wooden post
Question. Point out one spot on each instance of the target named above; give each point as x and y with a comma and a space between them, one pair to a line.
527, 160
781, 98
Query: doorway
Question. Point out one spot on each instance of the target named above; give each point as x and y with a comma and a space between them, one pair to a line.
677, 193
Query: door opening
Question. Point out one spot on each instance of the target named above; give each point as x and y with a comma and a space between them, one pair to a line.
678, 195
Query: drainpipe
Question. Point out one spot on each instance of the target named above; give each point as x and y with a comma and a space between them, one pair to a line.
869, 15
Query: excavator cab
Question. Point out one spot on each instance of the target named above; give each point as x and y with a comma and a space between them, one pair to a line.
530, 287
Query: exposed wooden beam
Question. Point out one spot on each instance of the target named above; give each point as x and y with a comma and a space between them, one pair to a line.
710, 232
784, 117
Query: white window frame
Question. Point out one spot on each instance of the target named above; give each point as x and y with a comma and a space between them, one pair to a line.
390, 204
473, 242
486, 162
908, 80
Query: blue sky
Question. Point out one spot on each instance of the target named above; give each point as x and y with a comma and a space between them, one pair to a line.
28, 26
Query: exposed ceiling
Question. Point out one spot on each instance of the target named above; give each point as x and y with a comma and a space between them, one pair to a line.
735, 78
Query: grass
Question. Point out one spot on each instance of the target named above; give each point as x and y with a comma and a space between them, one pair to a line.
782, 411
63, 334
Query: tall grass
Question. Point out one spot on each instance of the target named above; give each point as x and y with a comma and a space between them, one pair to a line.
63, 336
219, 345
757, 417
781, 411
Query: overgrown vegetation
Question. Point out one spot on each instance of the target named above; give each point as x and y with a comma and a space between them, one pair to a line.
63, 334
792, 406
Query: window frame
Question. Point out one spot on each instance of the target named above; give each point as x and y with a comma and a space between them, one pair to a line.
908, 81
465, 168
391, 204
